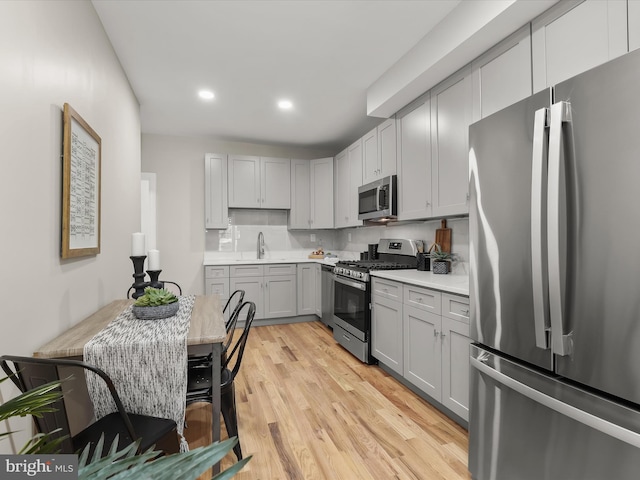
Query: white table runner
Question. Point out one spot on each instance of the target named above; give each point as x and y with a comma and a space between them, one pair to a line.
147, 361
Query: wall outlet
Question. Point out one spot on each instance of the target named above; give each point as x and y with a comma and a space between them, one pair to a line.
312, 237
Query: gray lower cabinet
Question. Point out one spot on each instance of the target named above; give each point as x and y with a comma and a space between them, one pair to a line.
386, 332
423, 335
272, 287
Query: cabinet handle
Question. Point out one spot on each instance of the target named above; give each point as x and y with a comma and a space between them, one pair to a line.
419, 300
428, 204
466, 313
436, 333
442, 335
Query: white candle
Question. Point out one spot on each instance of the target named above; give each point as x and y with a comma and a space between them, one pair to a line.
154, 260
137, 244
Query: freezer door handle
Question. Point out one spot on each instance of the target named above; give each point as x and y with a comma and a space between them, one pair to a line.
557, 226
597, 423
539, 228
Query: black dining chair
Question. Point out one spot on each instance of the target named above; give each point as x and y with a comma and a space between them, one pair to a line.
230, 368
28, 373
238, 298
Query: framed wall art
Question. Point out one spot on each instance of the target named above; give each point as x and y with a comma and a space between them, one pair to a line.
81, 159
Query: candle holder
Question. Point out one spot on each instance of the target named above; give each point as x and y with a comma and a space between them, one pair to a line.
138, 274
153, 279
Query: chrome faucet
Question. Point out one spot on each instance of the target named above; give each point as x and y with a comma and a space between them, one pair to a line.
260, 245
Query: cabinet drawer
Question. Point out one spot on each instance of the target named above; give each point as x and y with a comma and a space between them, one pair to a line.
246, 271
216, 271
214, 286
422, 298
280, 269
455, 307
387, 289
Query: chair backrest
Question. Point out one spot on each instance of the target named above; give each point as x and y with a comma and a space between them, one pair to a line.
27, 377
29, 373
233, 357
239, 294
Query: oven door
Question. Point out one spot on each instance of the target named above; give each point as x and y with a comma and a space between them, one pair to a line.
351, 306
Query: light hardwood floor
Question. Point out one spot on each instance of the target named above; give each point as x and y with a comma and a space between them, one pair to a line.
307, 409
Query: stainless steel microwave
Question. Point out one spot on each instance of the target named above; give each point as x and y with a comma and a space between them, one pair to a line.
378, 200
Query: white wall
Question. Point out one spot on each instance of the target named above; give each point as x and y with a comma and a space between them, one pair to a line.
52, 53
178, 163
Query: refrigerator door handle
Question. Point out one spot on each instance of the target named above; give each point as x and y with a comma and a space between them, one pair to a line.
556, 227
539, 228
597, 423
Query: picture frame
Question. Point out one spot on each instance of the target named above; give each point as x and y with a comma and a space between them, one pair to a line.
81, 186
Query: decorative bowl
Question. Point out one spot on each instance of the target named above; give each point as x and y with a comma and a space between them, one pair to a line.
155, 313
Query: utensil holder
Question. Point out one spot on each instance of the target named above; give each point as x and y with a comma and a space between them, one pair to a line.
423, 262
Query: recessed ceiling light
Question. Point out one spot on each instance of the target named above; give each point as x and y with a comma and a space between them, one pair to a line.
285, 104
206, 94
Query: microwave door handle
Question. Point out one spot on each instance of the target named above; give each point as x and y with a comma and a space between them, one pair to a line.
557, 227
378, 193
539, 274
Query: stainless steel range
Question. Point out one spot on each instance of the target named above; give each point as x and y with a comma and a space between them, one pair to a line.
352, 289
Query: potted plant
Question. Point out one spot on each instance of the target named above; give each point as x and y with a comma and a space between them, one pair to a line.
155, 303
440, 260
124, 464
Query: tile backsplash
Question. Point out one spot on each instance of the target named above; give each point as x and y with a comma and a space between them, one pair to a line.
245, 224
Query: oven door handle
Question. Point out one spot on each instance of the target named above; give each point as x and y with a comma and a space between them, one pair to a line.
350, 283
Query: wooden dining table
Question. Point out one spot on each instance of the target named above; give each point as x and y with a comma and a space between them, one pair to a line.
206, 334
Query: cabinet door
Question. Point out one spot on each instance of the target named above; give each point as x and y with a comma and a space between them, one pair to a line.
387, 148
275, 188
502, 76
253, 291
216, 209
455, 366
451, 104
280, 296
217, 286
321, 193
573, 37
244, 181
341, 167
299, 216
386, 333
370, 158
306, 288
422, 350
318, 273
414, 162
354, 153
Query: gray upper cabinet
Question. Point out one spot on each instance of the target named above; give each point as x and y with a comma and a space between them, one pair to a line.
311, 194
299, 216
379, 152
502, 76
414, 160
574, 36
348, 177
259, 182
451, 107
216, 211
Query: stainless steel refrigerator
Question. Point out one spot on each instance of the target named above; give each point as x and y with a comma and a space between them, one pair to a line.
555, 282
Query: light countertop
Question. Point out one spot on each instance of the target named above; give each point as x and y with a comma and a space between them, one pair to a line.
451, 283
456, 282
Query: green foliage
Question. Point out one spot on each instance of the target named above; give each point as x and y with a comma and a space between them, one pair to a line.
117, 465
154, 297
437, 255
126, 465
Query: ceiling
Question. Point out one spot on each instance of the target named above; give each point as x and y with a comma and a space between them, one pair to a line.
321, 55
